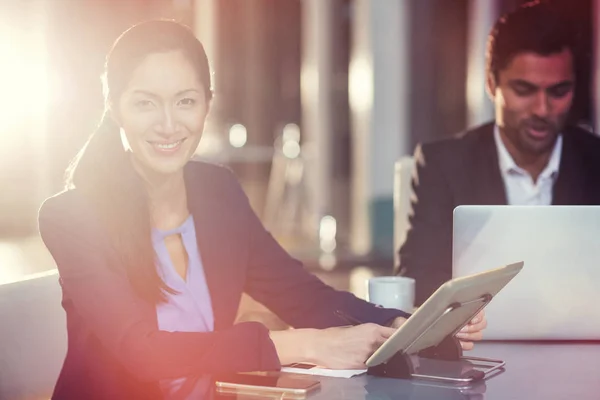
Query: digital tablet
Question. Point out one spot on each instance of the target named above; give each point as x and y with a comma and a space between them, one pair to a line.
450, 308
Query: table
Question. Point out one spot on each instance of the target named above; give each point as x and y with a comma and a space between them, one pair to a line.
544, 371
533, 371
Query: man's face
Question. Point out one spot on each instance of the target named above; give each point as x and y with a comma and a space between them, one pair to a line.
533, 95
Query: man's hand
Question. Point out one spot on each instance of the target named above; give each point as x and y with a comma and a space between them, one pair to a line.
472, 332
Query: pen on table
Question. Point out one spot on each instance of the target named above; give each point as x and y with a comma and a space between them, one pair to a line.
347, 318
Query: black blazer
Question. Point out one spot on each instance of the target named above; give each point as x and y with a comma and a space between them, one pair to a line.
465, 171
115, 350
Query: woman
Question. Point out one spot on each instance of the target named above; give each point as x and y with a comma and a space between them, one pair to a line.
154, 251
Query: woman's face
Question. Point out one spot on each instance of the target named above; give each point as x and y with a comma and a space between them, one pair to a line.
162, 112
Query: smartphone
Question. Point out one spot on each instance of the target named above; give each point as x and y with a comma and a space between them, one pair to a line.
265, 384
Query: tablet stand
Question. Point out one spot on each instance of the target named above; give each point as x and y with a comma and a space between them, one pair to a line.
443, 362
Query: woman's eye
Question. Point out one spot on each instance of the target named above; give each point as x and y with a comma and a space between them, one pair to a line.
187, 102
143, 104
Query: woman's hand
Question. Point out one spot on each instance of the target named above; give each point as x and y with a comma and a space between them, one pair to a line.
472, 332
335, 348
348, 347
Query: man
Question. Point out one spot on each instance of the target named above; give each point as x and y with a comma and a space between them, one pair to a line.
529, 156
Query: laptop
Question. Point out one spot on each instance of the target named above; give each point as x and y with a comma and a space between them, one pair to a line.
557, 294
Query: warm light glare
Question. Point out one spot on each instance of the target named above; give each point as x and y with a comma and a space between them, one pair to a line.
291, 132
293, 172
23, 78
19, 255
327, 234
309, 83
291, 141
238, 135
210, 144
124, 140
291, 149
327, 261
328, 228
328, 246
360, 85
359, 278
13, 257
476, 96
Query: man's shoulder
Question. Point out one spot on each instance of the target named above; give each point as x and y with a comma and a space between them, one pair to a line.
459, 146
583, 139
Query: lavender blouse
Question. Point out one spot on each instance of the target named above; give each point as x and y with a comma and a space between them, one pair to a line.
190, 309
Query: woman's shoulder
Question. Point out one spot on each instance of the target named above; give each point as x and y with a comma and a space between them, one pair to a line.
67, 206
210, 176
215, 187
207, 170
68, 220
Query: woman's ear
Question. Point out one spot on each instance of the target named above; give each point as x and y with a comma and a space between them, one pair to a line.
208, 106
124, 140
114, 113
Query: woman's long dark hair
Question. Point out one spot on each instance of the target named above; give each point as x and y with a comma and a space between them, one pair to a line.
102, 170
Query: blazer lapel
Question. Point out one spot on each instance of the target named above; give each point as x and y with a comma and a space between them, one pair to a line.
216, 233
569, 187
491, 186
200, 209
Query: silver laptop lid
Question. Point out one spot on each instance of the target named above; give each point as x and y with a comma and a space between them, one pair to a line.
557, 294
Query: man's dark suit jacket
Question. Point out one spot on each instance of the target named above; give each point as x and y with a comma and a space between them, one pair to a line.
465, 171
115, 349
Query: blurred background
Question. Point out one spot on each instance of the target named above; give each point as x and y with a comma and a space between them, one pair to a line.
315, 102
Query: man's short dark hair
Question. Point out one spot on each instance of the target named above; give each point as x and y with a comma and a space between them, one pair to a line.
535, 27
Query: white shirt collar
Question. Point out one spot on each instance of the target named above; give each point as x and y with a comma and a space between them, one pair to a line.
508, 165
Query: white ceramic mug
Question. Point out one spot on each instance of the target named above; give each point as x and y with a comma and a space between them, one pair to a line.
392, 292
